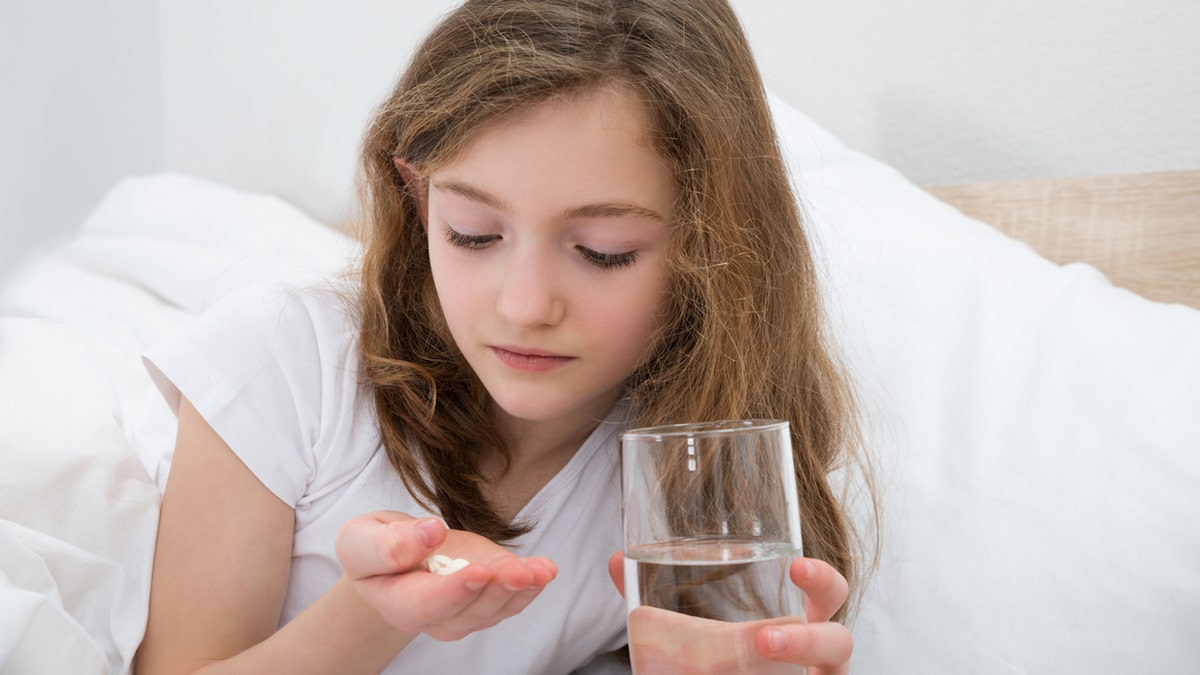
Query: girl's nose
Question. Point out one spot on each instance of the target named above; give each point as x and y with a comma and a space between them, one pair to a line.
530, 292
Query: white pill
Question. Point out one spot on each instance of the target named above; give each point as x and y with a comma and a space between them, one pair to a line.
444, 564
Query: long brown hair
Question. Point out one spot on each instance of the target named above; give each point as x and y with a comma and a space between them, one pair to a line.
746, 338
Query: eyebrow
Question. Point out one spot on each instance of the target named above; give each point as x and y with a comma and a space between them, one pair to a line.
598, 210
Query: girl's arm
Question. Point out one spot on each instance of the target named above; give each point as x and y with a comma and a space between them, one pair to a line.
221, 569
222, 563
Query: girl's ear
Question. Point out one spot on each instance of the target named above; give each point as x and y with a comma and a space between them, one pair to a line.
416, 187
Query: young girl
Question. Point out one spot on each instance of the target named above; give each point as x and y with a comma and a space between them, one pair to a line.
577, 221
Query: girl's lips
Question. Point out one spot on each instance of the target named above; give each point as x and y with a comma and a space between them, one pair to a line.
530, 362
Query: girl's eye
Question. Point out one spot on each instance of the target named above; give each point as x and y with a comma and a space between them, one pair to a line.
608, 261
470, 241
602, 260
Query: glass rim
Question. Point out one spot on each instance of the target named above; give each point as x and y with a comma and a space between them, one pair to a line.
712, 428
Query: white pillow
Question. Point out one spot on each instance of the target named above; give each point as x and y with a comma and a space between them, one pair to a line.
1037, 431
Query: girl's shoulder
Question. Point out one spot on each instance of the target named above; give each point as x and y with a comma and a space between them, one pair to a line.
289, 322
326, 303
274, 369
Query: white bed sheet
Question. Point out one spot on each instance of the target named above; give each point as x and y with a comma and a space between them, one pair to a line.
84, 436
1036, 429
77, 510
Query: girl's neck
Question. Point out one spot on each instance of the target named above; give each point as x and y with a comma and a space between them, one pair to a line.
538, 451
534, 441
538, 441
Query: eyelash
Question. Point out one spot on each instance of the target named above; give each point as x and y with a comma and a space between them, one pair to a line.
608, 261
469, 241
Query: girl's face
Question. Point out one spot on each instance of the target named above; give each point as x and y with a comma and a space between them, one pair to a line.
547, 239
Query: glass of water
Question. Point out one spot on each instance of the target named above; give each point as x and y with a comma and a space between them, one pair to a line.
712, 525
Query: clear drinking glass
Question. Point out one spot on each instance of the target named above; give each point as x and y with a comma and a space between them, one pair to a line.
712, 524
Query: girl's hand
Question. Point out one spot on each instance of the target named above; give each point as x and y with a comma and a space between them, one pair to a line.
384, 555
822, 645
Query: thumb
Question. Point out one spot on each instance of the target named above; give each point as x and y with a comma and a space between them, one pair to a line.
386, 543
616, 570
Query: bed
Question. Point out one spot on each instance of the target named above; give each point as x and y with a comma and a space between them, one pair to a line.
1029, 372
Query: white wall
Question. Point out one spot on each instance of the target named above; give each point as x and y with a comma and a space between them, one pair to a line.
81, 107
945, 90
956, 90
271, 96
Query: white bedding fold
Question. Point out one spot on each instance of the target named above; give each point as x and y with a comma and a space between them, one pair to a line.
78, 511
83, 434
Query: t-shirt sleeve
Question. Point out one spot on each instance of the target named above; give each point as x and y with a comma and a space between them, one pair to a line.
256, 367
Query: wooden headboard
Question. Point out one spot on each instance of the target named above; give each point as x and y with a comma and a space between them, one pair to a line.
1141, 230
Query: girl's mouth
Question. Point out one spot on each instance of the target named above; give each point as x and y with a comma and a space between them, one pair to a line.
529, 360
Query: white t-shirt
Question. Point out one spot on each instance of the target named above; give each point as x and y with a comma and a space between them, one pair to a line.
275, 371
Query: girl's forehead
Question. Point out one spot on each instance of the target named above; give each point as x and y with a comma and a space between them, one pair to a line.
565, 154
614, 106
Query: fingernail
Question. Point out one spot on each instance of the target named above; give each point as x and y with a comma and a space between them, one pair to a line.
776, 640
809, 570
475, 585
427, 530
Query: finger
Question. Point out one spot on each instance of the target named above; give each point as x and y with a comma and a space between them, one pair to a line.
386, 543
511, 576
542, 572
825, 589
416, 601
515, 582
616, 571
825, 645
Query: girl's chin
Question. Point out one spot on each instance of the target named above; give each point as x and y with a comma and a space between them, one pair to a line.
551, 408
530, 411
